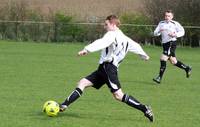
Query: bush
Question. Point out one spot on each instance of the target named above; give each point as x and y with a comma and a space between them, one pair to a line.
66, 30
138, 33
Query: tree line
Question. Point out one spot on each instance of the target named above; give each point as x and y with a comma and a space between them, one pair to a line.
56, 26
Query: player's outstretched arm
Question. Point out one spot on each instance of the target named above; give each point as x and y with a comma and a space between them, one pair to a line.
137, 49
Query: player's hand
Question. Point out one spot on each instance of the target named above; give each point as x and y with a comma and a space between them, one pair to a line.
82, 52
146, 57
172, 34
161, 30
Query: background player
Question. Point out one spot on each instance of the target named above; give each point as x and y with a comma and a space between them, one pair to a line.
169, 30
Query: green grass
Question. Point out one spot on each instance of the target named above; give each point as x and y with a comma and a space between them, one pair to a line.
32, 73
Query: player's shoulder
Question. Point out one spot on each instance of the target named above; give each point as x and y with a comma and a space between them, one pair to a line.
174, 22
162, 22
109, 34
115, 33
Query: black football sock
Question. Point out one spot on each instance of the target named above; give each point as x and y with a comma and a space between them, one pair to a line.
162, 68
131, 101
181, 65
73, 96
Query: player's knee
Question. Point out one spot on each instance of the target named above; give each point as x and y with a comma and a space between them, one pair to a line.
118, 95
83, 83
173, 61
164, 57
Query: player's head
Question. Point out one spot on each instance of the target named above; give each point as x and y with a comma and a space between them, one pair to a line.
169, 15
111, 22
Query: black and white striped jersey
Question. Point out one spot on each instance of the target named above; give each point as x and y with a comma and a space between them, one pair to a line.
114, 46
169, 27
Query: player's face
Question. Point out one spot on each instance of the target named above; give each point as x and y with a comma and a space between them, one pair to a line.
168, 16
108, 26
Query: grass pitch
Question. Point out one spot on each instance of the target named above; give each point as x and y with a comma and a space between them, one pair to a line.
32, 73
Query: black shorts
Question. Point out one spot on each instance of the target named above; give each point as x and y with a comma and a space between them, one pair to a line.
169, 48
105, 74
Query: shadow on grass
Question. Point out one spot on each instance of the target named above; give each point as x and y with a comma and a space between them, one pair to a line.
92, 116
139, 82
60, 115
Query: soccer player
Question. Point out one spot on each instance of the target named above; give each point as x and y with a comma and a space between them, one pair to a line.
114, 45
169, 30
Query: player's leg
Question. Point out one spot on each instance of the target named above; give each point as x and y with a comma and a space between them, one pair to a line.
178, 63
181, 65
83, 83
133, 102
115, 87
129, 100
95, 80
163, 60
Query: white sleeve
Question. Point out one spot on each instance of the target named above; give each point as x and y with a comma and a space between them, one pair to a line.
157, 31
179, 30
136, 48
101, 43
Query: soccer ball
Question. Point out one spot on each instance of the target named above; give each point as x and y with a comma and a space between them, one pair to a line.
51, 108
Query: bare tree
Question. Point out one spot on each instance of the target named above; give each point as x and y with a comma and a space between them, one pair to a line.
186, 11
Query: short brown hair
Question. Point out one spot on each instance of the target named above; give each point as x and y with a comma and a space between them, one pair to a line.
169, 11
113, 19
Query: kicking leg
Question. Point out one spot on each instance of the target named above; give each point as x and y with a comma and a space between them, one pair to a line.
84, 83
